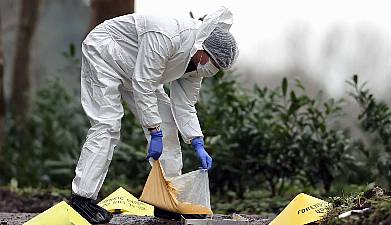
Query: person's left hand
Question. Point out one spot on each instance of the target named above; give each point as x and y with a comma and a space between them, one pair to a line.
198, 145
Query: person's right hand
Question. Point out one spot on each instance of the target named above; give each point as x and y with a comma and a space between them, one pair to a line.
156, 145
206, 160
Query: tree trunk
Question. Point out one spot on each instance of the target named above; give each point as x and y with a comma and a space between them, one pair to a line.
2, 97
107, 9
21, 74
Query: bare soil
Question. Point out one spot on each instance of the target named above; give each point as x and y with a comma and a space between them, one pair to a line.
14, 202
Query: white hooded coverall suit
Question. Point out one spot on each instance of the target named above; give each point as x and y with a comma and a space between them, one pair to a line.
130, 58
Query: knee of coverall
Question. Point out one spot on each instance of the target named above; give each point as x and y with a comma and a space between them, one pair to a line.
99, 131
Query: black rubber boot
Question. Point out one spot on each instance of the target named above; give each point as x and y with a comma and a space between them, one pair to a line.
161, 213
90, 210
194, 216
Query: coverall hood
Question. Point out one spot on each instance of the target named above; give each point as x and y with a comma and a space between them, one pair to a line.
222, 17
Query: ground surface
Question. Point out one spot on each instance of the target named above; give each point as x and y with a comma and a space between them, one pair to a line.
14, 202
18, 208
20, 218
376, 200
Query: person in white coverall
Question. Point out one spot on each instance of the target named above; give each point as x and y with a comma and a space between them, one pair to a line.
130, 58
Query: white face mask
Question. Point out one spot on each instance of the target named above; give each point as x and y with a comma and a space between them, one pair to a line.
206, 70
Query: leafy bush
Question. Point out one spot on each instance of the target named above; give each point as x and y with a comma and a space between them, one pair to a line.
269, 139
375, 118
222, 110
50, 138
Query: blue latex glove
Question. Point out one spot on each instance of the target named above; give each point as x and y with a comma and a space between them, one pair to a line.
156, 145
198, 145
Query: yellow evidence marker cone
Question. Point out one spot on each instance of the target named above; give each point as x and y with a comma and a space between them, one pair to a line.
60, 214
121, 201
303, 209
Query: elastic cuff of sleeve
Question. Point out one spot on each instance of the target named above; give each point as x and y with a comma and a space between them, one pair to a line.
157, 128
158, 133
197, 142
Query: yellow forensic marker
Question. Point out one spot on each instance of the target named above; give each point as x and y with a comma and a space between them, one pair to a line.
303, 209
121, 201
60, 214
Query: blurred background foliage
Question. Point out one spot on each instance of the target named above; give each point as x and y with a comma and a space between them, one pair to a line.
268, 144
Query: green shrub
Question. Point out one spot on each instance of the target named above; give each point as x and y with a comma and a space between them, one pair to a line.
375, 118
269, 138
43, 150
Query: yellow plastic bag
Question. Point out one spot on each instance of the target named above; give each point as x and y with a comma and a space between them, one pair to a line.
185, 194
